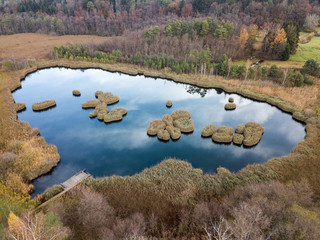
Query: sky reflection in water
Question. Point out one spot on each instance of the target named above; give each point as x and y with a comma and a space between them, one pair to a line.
124, 148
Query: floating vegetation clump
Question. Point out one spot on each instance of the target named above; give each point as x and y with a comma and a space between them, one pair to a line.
43, 105
108, 98
20, 107
185, 125
90, 104
155, 126
252, 134
238, 138
101, 114
76, 93
169, 104
112, 117
163, 135
230, 106
168, 120
240, 129
115, 115
98, 93
223, 135
122, 111
209, 130
101, 107
180, 114
175, 133
249, 134
171, 126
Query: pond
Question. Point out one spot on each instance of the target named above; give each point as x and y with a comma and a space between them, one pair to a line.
124, 148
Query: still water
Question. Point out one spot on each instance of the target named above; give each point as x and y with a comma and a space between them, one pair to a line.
124, 148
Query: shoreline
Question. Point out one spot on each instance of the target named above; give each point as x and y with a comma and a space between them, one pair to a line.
297, 114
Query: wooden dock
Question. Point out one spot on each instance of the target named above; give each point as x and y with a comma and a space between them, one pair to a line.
67, 185
75, 179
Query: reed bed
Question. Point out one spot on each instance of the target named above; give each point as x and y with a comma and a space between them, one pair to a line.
41, 106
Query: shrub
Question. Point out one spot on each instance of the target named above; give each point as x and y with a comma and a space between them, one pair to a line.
8, 65
264, 72
273, 71
7, 160
311, 67
234, 71
223, 65
251, 73
15, 64
310, 36
241, 70
259, 72
308, 80
285, 210
298, 80
51, 192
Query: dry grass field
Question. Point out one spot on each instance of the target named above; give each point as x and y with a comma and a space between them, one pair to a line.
36, 46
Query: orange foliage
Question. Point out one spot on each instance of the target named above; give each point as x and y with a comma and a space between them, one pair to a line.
281, 37
14, 222
253, 30
173, 7
244, 36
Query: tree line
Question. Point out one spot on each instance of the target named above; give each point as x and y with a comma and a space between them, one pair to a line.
203, 28
198, 62
114, 17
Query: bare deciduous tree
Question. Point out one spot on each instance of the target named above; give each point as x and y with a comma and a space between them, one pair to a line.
220, 230
247, 69
249, 222
36, 227
285, 74
311, 21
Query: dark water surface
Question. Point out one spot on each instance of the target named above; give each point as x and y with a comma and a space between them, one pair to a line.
124, 148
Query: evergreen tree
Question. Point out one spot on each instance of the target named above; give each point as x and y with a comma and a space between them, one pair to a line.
221, 32
292, 30
234, 71
251, 73
213, 25
241, 71
177, 28
202, 6
204, 28
286, 53
223, 65
182, 3
197, 26
168, 30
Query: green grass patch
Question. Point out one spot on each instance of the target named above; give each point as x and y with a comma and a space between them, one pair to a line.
310, 50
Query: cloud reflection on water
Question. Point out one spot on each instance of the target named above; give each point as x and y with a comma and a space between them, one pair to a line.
124, 147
